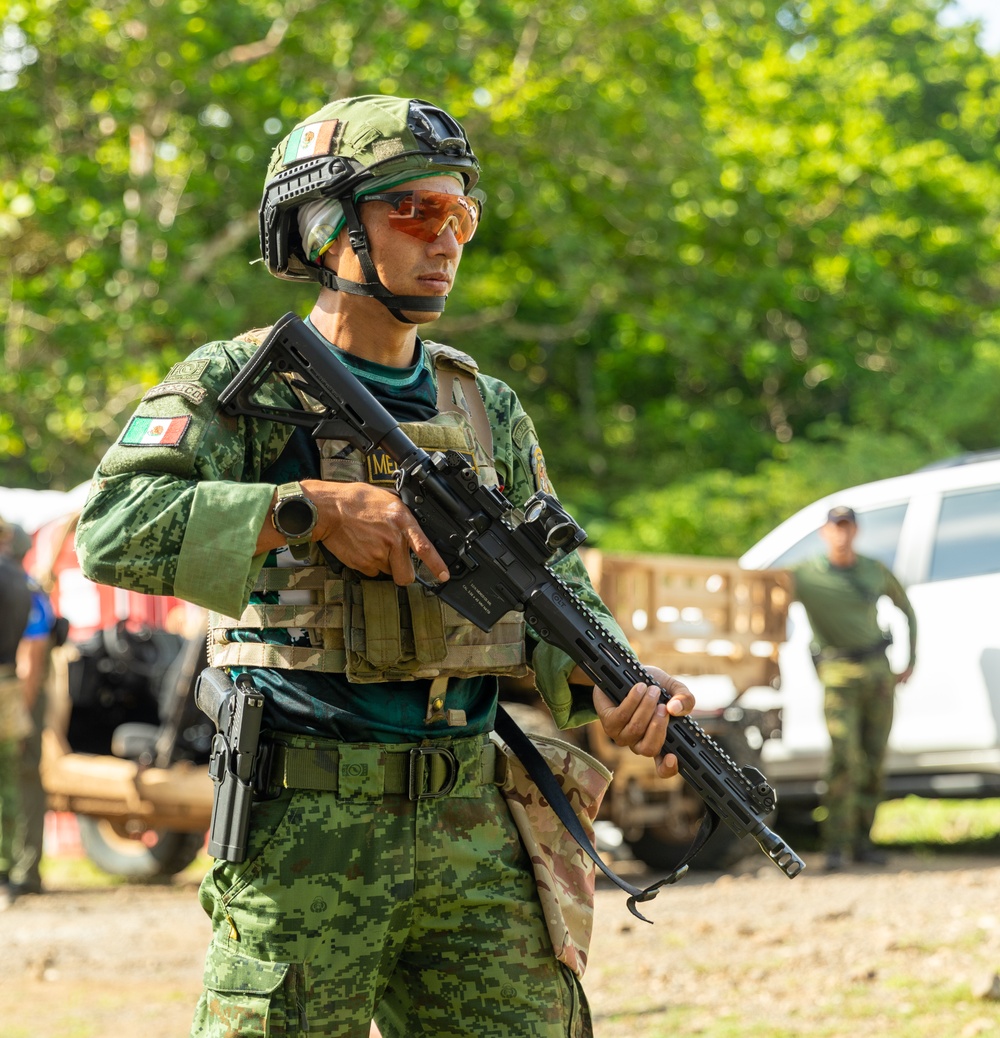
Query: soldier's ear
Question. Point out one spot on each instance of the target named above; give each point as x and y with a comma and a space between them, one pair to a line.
334, 252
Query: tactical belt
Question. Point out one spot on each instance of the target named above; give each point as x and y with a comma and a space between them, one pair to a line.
425, 772
851, 655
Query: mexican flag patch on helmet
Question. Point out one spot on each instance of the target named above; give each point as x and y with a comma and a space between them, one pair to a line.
305, 142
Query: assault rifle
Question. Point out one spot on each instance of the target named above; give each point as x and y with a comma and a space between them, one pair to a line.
498, 559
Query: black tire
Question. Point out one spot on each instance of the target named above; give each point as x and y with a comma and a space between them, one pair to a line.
150, 855
662, 847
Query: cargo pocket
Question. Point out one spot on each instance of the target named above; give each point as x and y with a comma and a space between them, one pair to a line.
581, 1024
246, 996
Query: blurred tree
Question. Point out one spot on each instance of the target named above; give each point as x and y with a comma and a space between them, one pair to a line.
839, 285
718, 237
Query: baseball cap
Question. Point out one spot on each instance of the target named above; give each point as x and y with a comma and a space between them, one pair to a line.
841, 514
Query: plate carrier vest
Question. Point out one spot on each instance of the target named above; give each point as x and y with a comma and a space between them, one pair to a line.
369, 629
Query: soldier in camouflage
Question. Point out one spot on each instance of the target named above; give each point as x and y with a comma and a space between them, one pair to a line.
15, 722
840, 591
370, 889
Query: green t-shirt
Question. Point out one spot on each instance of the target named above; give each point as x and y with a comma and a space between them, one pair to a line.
841, 601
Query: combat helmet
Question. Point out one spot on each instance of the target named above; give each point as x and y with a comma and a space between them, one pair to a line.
332, 155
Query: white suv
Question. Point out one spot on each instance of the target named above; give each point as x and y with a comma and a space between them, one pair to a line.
938, 529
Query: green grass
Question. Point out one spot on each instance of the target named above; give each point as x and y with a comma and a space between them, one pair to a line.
900, 1006
972, 825
914, 824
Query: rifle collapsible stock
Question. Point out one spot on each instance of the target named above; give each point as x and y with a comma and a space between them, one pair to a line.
498, 558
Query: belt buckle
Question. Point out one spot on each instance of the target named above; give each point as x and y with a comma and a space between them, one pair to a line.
420, 772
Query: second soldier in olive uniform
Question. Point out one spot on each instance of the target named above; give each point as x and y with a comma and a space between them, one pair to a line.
360, 896
840, 591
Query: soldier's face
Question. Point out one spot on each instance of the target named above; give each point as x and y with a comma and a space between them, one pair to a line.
406, 265
839, 536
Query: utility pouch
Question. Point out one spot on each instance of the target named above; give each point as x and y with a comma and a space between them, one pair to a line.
564, 874
236, 710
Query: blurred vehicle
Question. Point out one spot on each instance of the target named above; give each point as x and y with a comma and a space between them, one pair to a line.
938, 530
124, 747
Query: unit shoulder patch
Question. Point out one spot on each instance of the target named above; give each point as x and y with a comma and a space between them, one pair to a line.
539, 471
523, 429
187, 371
189, 391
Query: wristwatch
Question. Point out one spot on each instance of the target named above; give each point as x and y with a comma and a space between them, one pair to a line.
294, 517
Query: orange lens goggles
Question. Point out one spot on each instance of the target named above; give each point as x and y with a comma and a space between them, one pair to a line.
428, 214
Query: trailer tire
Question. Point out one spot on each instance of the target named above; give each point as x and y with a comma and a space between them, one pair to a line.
155, 854
663, 847
664, 852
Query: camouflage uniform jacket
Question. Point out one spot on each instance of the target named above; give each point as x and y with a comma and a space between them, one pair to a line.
178, 501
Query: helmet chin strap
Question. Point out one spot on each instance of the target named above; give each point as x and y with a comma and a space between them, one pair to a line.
372, 285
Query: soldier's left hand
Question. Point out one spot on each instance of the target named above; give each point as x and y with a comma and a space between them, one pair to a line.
640, 720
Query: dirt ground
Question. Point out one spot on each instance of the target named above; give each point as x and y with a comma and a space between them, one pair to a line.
906, 950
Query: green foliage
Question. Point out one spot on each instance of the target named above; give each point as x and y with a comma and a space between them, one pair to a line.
725, 512
732, 254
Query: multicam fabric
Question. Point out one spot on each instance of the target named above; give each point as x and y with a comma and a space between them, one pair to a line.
564, 873
858, 704
429, 924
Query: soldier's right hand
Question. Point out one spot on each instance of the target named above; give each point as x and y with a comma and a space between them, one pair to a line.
370, 530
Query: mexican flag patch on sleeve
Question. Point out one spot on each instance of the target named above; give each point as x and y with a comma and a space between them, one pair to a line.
155, 432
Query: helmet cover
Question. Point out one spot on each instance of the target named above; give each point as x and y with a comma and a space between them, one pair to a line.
336, 150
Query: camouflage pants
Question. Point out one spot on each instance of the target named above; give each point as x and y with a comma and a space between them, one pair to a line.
357, 905
859, 705
10, 750
26, 870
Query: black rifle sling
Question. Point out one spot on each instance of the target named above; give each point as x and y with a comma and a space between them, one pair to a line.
534, 763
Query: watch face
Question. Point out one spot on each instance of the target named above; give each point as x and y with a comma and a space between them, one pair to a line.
294, 518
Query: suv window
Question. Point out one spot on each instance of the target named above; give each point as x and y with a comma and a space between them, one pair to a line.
967, 543
878, 538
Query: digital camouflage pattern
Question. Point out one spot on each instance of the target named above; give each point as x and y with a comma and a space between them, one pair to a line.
419, 913
564, 873
183, 520
423, 912
858, 702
